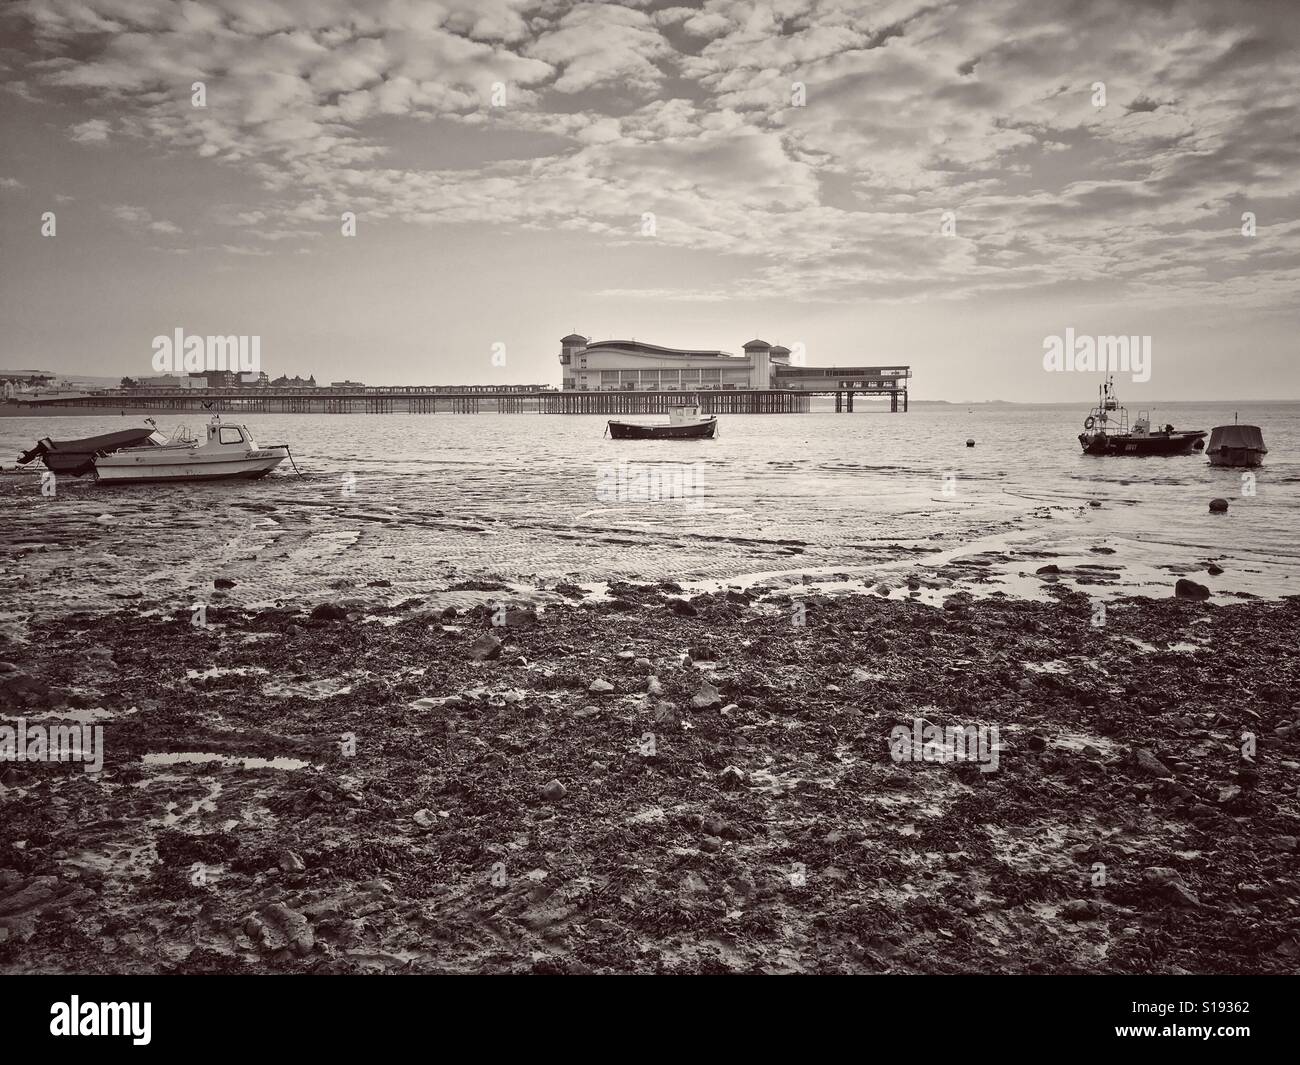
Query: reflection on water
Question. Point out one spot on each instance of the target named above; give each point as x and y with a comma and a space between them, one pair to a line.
417, 500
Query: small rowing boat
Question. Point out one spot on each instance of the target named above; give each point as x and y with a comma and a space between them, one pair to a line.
685, 422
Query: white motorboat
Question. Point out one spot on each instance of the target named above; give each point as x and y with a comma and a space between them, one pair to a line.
228, 452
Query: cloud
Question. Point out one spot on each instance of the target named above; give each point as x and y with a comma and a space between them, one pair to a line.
906, 110
139, 218
92, 131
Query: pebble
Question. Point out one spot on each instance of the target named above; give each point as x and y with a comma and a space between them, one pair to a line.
708, 696
600, 686
485, 647
1149, 763
554, 791
1186, 589
291, 862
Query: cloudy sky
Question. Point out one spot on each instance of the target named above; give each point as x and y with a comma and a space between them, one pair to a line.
692, 175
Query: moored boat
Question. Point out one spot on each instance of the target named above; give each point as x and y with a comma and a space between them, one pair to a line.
228, 452
1236, 445
685, 422
1106, 431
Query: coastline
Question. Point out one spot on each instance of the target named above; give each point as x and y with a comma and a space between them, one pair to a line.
740, 812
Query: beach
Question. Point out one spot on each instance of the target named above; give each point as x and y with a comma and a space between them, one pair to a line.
644, 781
467, 704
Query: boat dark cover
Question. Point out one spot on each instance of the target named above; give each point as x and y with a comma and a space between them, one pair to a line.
78, 456
1247, 437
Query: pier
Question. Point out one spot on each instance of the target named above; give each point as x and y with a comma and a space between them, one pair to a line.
800, 383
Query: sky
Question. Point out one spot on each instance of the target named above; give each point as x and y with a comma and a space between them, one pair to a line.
942, 185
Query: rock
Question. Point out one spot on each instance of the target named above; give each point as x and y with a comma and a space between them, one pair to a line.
600, 686
424, 818
913, 584
643, 664
8, 667
653, 686
513, 696
291, 862
1214, 570
882, 589
329, 612
554, 791
1051, 567
1149, 763
1218, 506
223, 583
1036, 743
1180, 895
730, 708
1081, 910
485, 647
293, 925
1094, 502
731, 778
970, 441
1159, 875
708, 696
448, 612
682, 608
1186, 589
1229, 793
1285, 843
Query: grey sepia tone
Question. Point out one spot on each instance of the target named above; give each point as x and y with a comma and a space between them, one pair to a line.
575, 487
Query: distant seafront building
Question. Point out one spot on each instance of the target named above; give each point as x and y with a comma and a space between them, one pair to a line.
632, 365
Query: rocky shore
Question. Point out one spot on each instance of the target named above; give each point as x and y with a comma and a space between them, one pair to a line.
652, 783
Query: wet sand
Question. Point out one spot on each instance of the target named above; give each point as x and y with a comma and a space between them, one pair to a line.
370, 786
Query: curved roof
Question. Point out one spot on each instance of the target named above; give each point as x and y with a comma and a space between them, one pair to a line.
755, 345
573, 338
781, 349
637, 347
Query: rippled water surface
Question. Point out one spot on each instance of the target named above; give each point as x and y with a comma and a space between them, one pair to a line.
424, 501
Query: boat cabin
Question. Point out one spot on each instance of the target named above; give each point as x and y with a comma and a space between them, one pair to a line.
685, 414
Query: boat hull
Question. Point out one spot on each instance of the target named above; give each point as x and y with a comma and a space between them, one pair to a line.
144, 470
696, 431
1237, 456
1176, 443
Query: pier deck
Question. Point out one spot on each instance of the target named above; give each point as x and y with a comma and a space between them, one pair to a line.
458, 399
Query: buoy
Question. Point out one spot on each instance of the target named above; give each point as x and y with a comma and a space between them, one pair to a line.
970, 441
1218, 506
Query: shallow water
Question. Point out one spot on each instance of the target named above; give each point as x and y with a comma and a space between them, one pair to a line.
422, 501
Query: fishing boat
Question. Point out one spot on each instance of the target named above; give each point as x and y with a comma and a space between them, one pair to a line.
1106, 431
685, 422
1236, 445
140, 455
228, 452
